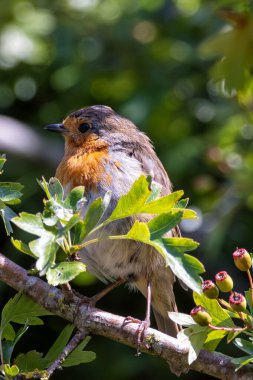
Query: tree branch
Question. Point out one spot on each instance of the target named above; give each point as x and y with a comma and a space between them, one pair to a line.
98, 322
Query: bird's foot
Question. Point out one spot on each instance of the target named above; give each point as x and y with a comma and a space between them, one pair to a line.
140, 332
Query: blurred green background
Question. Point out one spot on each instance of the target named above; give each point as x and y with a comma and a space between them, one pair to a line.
141, 58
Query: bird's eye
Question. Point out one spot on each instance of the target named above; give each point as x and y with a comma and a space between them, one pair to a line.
84, 127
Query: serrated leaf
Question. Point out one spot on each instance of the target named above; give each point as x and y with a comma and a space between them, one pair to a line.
22, 247
132, 202
10, 370
163, 223
30, 361
74, 196
181, 319
60, 343
45, 248
219, 315
64, 272
139, 232
30, 223
8, 332
23, 310
79, 357
163, 204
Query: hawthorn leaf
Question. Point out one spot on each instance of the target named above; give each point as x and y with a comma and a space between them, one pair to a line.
22, 247
74, 196
30, 361
45, 248
195, 335
181, 319
55, 189
10, 370
163, 223
64, 272
95, 214
30, 223
132, 202
60, 343
244, 345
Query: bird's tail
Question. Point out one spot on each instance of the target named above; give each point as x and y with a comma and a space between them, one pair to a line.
162, 299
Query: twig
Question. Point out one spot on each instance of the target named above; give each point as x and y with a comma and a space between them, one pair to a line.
80, 335
98, 322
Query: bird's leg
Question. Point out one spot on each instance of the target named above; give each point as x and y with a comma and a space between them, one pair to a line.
69, 292
143, 325
94, 299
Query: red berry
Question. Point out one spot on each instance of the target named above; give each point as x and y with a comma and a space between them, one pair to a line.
242, 259
201, 316
210, 289
224, 281
237, 302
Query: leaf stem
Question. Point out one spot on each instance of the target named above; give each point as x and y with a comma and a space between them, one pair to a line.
251, 284
223, 328
224, 303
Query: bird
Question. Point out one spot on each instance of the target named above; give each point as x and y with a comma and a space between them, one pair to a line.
107, 152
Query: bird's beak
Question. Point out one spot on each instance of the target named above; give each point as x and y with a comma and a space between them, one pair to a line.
59, 128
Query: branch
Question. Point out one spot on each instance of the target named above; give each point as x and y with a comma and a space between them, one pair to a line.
98, 322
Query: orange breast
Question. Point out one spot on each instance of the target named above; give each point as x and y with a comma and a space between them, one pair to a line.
84, 168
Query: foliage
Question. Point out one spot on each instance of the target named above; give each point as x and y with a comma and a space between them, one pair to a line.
225, 323
62, 232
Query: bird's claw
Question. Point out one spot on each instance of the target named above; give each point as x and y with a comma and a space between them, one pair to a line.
140, 332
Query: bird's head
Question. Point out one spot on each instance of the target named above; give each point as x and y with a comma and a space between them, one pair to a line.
92, 126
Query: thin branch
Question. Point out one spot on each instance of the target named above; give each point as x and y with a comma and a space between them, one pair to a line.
92, 320
73, 343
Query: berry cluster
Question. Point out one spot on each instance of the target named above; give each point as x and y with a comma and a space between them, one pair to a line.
224, 283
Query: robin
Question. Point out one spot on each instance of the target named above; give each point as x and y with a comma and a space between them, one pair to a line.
105, 151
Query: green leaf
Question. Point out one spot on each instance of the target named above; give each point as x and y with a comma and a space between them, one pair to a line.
23, 310
185, 267
244, 346
242, 361
219, 315
196, 336
249, 300
74, 196
7, 215
182, 319
8, 346
30, 361
64, 272
79, 357
2, 161
132, 202
8, 332
139, 232
93, 217
9, 191
60, 343
163, 223
213, 339
45, 248
155, 191
55, 189
30, 223
163, 204
18, 244
10, 370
